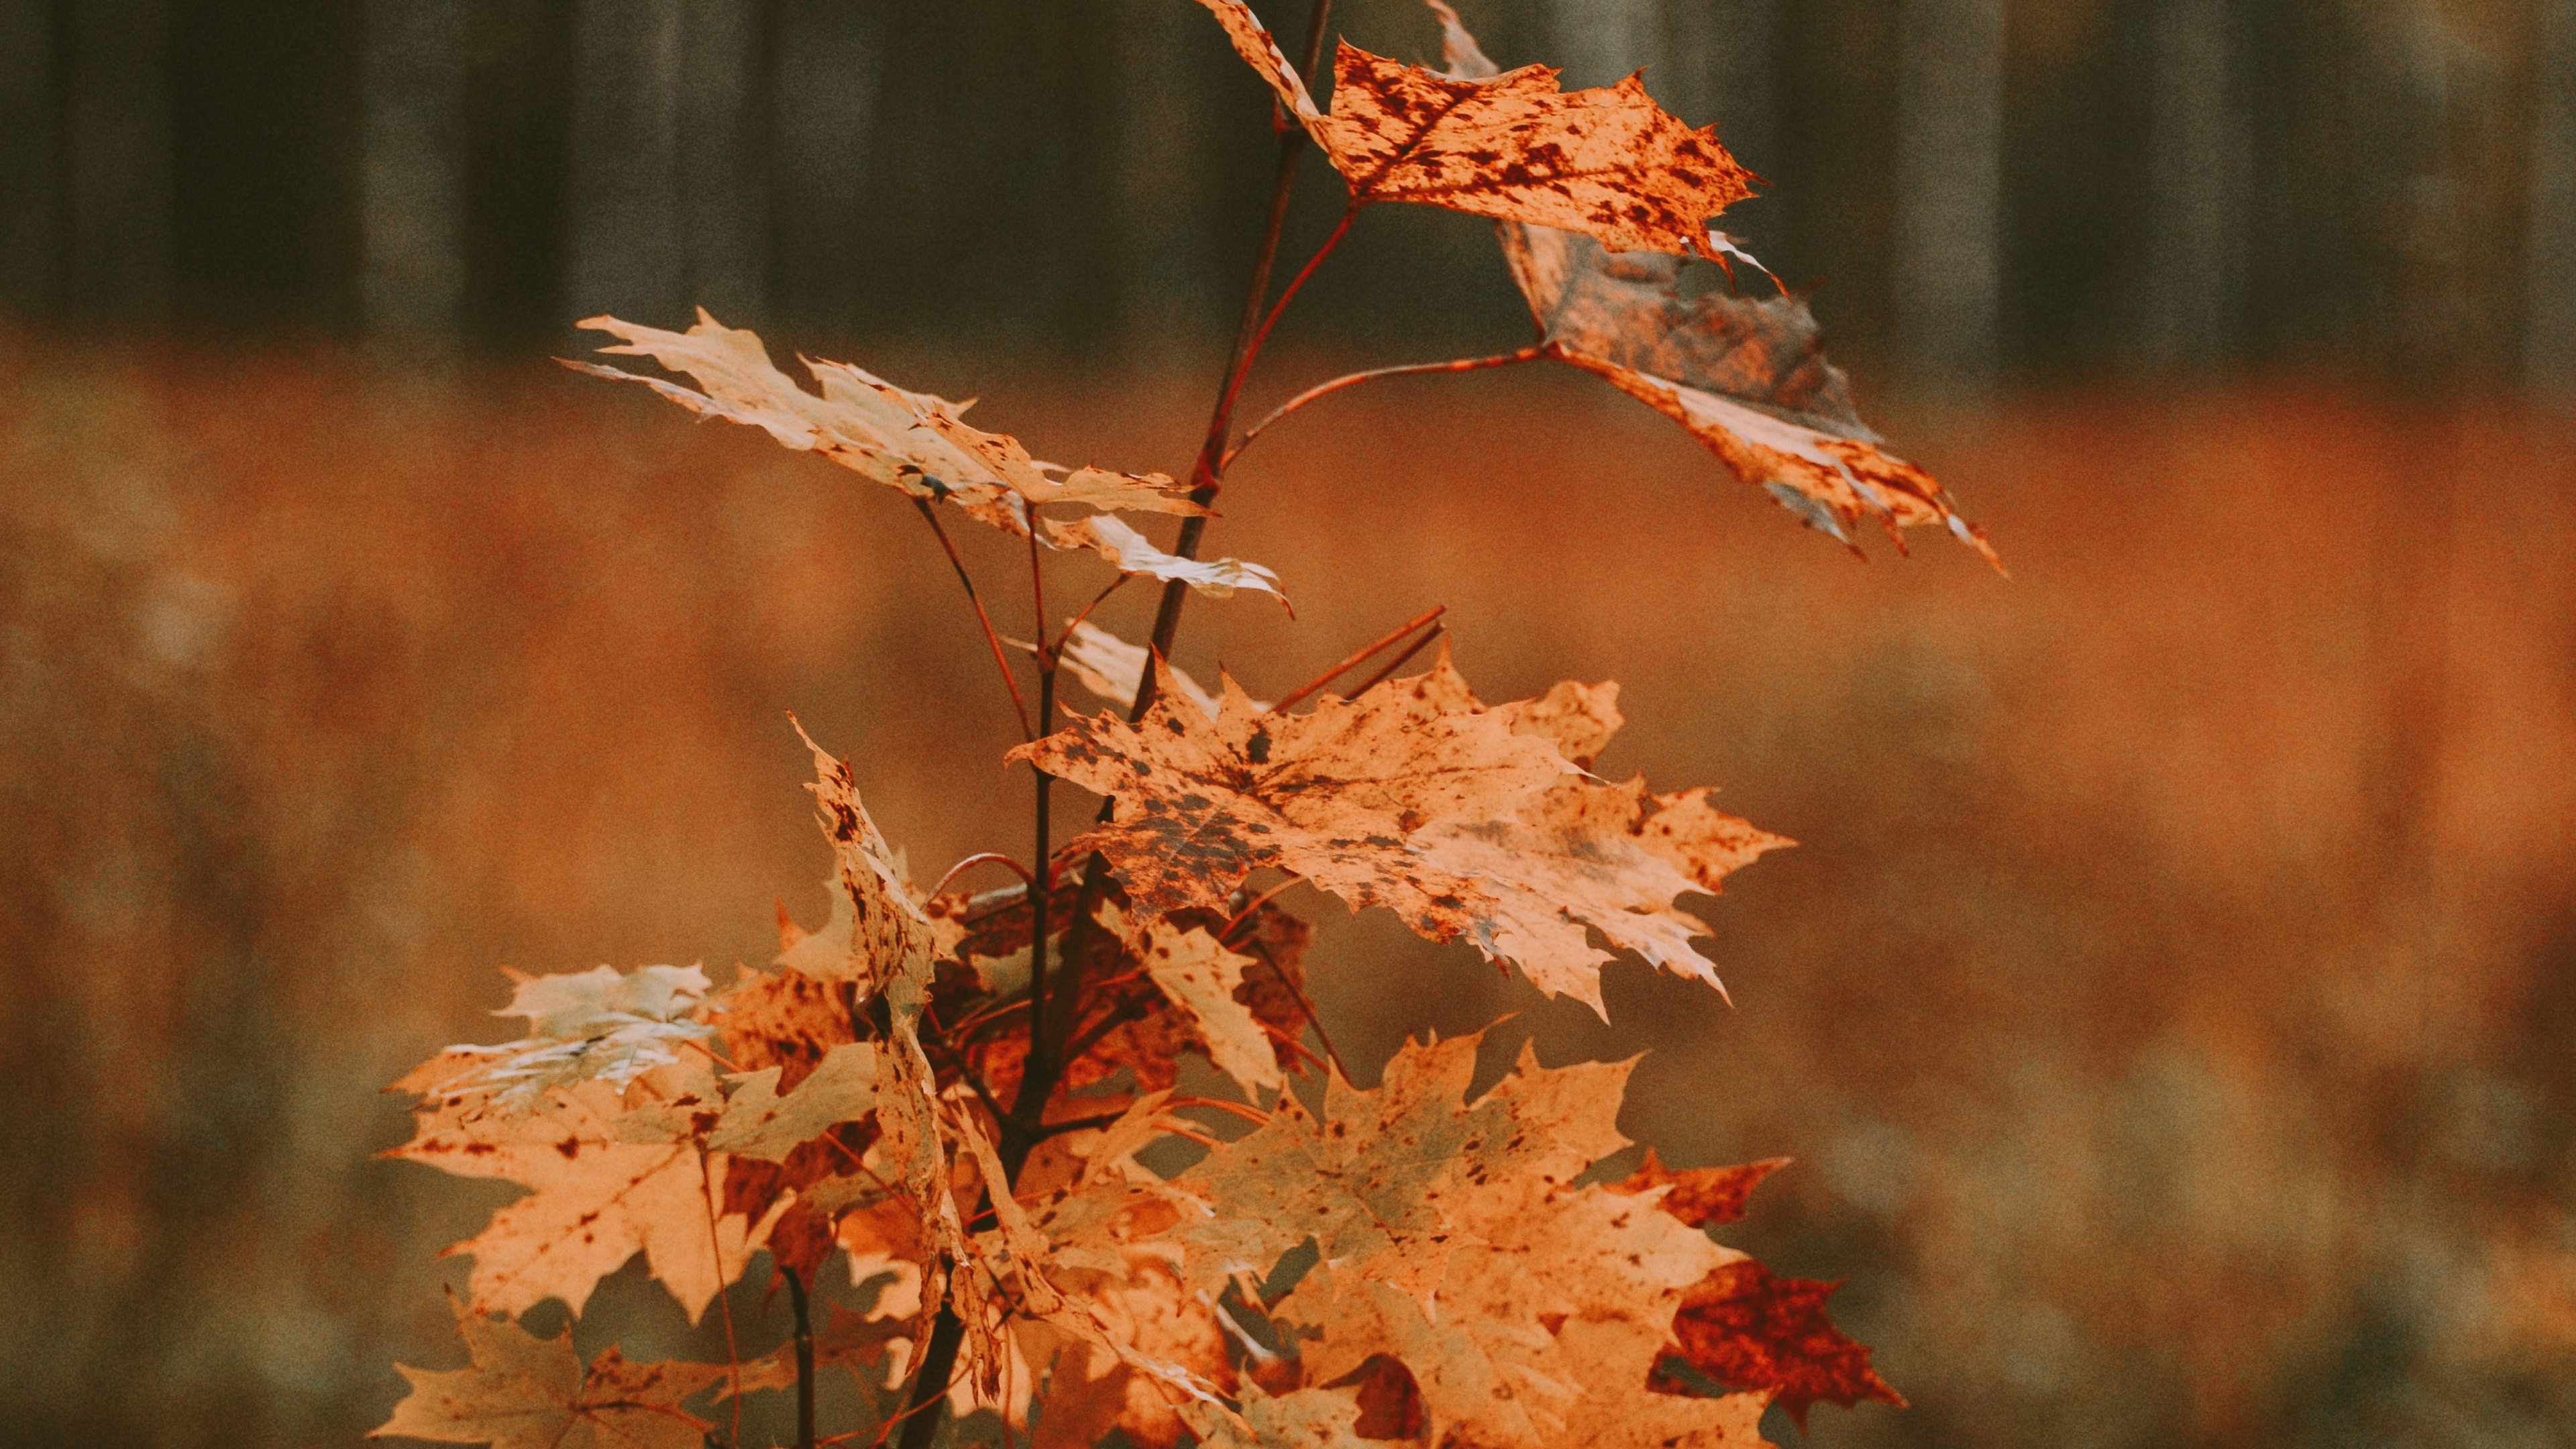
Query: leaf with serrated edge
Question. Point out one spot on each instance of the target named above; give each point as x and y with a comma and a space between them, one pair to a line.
1417, 797
760, 1122
911, 441
1199, 975
1113, 669
597, 1024
598, 1196
893, 944
1747, 378
525, 1392
1607, 161
1125, 547
1330, 795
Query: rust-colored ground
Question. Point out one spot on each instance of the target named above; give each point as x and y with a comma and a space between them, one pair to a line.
2172, 1007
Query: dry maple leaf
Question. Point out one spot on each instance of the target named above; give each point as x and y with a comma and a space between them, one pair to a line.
1607, 161
854, 1341
1746, 1329
1201, 977
890, 934
1113, 669
760, 1122
1700, 1196
911, 441
1417, 797
787, 1020
590, 1024
1302, 1419
598, 1195
1125, 547
1329, 795
1747, 378
1371, 1179
525, 1392
1451, 1241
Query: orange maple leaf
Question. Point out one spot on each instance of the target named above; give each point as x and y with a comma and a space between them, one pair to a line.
1607, 161
526, 1392
1747, 378
1465, 820
915, 442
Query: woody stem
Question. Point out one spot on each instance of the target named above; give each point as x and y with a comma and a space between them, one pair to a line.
804, 1358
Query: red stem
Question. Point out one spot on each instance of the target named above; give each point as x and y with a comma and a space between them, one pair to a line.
1530, 353
1329, 675
1001, 660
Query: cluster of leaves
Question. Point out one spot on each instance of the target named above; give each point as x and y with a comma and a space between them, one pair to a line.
973, 1098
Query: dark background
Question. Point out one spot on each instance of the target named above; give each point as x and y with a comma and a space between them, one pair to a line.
2030, 188
2171, 1005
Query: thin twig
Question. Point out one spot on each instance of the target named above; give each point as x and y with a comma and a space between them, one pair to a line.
724, 1300
1036, 1077
989, 857
967, 1074
1001, 660
1253, 1115
1341, 229
1356, 659
1079, 1124
1100, 1029
1531, 353
1097, 600
804, 1358
1398, 662
1237, 921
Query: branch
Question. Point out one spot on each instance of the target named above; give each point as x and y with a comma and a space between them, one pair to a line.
1398, 662
1329, 675
1531, 353
1000, 660
804, 1358
989, 857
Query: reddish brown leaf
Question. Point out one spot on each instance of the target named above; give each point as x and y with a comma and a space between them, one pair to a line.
1700, 1196
785, 1019
1747, 378
1746, 1329
1607, 161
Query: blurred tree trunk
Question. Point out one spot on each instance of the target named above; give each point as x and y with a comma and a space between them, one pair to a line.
2197, 140
1159, 182
823, 102
412, 176
117, 186
1946, 282
723, 149
29, 184
622, 201
1597, 42
2549, 325
1721, 73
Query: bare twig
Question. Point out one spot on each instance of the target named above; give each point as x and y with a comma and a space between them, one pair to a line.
804, 1358
988, 857
1001, 660
1398, 662
1531, 353
1328, 676
1097, 600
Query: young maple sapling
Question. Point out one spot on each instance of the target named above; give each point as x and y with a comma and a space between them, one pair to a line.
960, 1092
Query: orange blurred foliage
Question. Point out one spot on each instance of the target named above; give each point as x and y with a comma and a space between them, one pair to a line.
2168, 1008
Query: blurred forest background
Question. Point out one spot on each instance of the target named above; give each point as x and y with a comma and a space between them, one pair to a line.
2013, 188
2172, 1006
